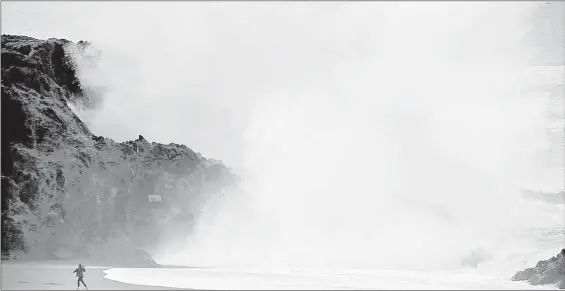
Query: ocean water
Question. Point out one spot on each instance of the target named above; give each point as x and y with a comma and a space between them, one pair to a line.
498, 261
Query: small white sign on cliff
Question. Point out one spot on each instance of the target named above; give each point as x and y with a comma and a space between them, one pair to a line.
154, 198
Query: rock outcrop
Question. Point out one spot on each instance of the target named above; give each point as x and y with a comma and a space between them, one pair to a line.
550, 271
67, 193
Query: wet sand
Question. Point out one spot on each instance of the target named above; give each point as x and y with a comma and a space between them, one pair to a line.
58, 275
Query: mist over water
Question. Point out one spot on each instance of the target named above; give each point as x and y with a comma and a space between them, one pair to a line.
408, 156
367, 135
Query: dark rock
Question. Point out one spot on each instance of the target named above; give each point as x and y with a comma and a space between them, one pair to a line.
551, 271
12, 236
67, 193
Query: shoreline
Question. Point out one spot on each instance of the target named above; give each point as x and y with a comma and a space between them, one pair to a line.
58, 275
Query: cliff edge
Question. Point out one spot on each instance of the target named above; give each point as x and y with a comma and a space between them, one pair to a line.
69, 194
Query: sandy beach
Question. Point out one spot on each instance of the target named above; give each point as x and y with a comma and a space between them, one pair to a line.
57, 275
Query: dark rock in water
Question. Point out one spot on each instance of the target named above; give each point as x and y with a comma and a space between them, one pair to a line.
67, 193
550, 271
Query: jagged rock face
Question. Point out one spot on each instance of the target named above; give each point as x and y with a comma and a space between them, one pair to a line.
67, 193
550, 271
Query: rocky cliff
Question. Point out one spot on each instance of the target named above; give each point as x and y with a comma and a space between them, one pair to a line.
67, 193
550, 271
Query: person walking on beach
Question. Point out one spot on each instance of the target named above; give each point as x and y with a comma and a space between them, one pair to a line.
80, 274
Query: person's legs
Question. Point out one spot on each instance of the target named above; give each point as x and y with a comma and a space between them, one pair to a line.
81, 280
78, 282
